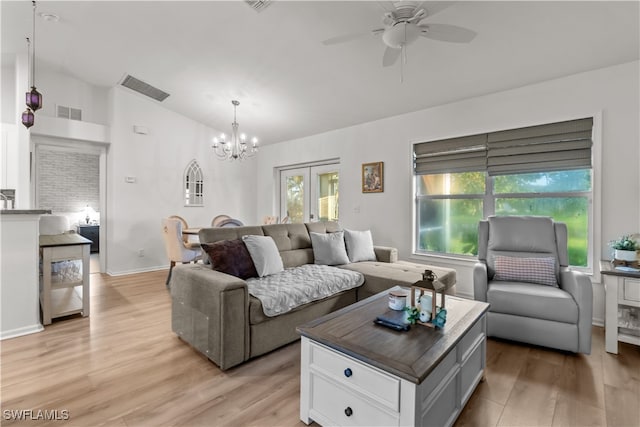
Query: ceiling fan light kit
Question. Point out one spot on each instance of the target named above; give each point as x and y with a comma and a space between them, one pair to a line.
402, 27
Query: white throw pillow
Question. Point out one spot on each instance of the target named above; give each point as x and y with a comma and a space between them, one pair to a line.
264, 253
359, 245
328, 248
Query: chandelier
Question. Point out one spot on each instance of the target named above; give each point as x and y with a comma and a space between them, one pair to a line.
33, 97
236, 147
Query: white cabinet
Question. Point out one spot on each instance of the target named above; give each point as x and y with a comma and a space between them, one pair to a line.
64, 284
622, 308
337, 389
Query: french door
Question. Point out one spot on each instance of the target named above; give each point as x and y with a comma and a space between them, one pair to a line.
309, 193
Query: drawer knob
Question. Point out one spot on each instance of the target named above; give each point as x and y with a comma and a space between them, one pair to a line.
348, 412
348, 372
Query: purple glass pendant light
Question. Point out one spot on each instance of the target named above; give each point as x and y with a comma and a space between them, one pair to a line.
33, 98
28, 118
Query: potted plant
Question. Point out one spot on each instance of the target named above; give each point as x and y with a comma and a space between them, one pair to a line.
625, 248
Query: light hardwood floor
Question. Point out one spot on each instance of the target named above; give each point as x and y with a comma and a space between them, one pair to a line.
124, 367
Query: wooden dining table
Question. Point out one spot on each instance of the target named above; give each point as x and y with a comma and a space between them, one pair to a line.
191, 230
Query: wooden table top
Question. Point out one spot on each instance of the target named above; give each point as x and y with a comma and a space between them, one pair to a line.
191, 230
411, 355
606, 267
63, 240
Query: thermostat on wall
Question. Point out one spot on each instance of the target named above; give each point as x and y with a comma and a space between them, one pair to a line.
130, 179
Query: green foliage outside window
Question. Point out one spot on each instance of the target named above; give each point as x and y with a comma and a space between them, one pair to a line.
450, 224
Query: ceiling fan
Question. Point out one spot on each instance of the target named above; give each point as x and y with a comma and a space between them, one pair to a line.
403, 25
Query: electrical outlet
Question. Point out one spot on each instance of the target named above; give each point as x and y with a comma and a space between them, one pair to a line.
140, 252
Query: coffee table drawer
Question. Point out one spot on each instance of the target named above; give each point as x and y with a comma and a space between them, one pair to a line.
372, 383
332, 404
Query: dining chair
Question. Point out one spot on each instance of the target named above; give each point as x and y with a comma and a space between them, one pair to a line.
269, 219
184, 225
177, 249
215, 222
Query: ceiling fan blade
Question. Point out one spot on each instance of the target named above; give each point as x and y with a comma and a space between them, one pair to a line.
388, 6
390, 56
447, 33
433, 7
345, 38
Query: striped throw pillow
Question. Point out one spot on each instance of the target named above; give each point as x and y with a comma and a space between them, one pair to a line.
531, 270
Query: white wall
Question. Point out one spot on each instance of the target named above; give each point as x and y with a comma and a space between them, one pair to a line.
157, 161
62, 89
7, 91
613, 91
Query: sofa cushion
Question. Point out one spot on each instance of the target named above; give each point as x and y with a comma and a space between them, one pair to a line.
380, 276
359, 245
328, 248
282, 292
264, 254
540, 270
531, 300
288, 236
231, 257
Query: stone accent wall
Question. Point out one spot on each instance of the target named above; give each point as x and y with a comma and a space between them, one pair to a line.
67, 181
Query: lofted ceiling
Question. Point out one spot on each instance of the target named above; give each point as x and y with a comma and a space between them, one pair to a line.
290, 85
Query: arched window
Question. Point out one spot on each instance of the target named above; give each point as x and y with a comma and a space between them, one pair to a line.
193, 185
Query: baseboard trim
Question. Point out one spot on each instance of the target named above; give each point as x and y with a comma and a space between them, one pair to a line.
18, 332
137, 270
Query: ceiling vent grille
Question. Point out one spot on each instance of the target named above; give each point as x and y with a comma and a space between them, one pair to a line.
144, 88
258, 5
68, 112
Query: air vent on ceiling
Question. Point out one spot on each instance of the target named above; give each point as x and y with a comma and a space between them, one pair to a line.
144, 88
258, 5
68, 112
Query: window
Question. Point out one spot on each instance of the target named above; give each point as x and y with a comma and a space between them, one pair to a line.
541, 170
310, 193
193, 195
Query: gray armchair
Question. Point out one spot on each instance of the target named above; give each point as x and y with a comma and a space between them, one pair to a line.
557, 317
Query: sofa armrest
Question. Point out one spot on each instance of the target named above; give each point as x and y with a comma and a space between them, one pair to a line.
386, 254
579, 286
210, 312
480, 281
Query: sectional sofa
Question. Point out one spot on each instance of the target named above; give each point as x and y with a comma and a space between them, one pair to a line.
215, 313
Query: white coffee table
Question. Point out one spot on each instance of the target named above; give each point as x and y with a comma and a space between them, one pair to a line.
356, 373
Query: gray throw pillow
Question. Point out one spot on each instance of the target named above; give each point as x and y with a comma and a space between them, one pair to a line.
264, 253
328, 248
359, 245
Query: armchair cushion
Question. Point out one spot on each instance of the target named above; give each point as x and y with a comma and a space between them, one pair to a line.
531, 300
540, 270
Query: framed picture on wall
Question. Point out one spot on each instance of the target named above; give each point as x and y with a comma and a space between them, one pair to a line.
373, 177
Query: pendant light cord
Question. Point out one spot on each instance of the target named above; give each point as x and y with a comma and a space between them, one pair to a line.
33, 61
29, 61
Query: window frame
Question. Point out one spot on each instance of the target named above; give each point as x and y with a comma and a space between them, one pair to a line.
594, 205
193, 175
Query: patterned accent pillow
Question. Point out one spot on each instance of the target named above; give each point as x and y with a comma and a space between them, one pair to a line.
231, 257
541, 271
